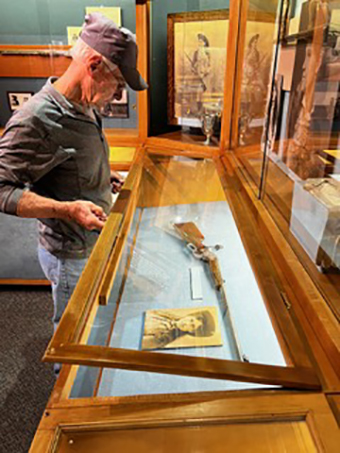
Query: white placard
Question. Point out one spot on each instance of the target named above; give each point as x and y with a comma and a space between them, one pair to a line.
196, 283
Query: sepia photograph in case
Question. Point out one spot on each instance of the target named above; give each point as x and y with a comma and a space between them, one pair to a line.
181, 328
196, 63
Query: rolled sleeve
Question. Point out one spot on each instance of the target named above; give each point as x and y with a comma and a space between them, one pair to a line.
9, 199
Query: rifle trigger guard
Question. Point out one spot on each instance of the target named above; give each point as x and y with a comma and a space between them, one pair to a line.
194, 251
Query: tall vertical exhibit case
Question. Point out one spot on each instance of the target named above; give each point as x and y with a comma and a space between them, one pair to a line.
200, 321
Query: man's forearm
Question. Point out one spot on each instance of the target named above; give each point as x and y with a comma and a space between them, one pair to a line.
85, 213
32, 205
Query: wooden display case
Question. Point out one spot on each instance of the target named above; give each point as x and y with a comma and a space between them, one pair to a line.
112, 395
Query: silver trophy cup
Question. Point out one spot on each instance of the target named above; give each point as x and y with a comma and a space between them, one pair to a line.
208, 119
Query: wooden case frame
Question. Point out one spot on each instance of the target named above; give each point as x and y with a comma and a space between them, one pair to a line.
62, 428
292, 299
141, 138
67, 345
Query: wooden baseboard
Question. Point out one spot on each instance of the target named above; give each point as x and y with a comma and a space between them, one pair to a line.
22, 282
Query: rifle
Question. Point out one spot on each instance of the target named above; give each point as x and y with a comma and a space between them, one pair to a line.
37, 53
189, 232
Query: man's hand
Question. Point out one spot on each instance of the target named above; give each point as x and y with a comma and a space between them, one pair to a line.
117, 181
86, 213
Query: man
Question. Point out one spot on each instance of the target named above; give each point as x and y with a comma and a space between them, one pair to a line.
54, 158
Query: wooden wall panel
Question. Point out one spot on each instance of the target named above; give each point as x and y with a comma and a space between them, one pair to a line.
31, 65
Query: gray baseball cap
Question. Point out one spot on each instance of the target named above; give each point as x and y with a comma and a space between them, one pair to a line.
117, 44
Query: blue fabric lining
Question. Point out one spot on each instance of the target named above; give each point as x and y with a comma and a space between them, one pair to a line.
159, 278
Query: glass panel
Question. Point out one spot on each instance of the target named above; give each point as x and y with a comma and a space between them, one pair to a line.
258, 38
184, 283
303, 175
110, 382
188, 57
42, 33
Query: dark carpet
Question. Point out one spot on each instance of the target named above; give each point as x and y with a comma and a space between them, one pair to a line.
25, 382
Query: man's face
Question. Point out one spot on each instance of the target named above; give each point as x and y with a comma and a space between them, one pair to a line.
108, 84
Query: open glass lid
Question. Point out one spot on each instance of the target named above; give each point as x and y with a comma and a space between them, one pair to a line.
169, 287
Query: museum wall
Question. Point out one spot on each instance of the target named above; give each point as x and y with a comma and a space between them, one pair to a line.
45, 22
13, 85
41, 21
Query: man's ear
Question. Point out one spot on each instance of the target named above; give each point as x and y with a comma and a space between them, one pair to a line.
94, 63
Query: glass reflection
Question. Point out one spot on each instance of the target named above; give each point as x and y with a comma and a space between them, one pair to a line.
302, 183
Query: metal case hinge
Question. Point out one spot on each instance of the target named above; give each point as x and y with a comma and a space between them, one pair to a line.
286, 300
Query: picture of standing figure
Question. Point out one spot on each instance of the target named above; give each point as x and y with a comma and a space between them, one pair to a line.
253, 88
180, 328
196, 62
255, 81
201, 67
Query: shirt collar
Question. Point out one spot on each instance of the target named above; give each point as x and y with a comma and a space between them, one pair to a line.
67, 106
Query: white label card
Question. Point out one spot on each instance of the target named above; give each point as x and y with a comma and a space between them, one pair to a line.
196, 282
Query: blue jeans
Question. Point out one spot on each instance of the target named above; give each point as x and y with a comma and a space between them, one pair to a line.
63, 273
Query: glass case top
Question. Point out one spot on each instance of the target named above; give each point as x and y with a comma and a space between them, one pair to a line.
169, 287
184, 284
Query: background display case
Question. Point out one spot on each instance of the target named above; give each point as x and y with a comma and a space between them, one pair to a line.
288, 76
306, 146
203, 226
189, 54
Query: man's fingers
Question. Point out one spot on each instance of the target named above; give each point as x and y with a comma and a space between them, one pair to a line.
95, 224
98, 211
116, 187
117, 183
115, 176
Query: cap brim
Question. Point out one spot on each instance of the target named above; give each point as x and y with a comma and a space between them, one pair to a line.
133, 78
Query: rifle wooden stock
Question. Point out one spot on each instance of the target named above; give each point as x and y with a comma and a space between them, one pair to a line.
215, 271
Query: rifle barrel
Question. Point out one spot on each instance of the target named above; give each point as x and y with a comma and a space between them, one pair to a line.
237, 345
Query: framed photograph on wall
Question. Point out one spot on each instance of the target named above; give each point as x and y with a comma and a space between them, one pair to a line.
197, 47
17, 99
117, 108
